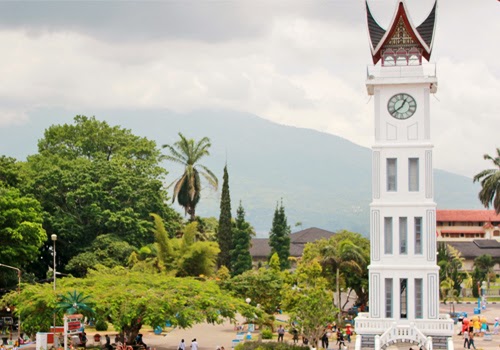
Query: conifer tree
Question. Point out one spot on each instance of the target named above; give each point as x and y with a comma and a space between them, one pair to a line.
225, 233
241, 259
279, 237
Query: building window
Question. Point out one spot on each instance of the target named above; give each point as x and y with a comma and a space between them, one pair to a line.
418, 235
413, 174
388, 235
392, 185
388, 297
403, 294
403, 235
418, 298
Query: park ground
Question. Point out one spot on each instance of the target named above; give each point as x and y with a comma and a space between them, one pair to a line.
209, 336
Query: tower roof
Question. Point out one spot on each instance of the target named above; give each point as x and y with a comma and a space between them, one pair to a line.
402, 34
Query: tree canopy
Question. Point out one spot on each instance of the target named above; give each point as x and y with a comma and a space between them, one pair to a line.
129, 300
93, 179
490, 183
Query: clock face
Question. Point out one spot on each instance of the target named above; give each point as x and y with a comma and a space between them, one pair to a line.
401, 106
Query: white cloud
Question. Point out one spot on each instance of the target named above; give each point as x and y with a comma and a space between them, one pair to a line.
295, 63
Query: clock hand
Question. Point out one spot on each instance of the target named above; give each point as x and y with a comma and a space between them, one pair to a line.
402, 104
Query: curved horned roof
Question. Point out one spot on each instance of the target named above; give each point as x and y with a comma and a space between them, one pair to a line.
402, 33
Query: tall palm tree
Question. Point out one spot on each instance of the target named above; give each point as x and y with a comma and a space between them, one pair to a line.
490, 183
343, 256
187, 188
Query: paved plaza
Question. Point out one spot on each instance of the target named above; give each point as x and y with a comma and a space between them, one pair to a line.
210, 336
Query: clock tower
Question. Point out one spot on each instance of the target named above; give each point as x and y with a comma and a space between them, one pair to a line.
403, 272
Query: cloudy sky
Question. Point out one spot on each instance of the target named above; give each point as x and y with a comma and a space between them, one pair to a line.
300, 63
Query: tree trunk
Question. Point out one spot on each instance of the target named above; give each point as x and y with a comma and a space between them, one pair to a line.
131, 332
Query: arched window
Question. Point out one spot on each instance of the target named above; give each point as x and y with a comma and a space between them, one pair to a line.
388, 58
414, 57
401, 58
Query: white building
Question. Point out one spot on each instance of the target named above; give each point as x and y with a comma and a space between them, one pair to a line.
403, 274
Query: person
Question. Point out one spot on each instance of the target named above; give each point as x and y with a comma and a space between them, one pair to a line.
139, 341
222, 348
194, 344
348, 332
340, 340
281, 333
108, 342
324, 340
83, 339
466, 338
305, 341
471, 341
295, 334
496, 326
182, 345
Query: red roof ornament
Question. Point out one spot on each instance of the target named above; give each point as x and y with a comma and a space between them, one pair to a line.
403, 43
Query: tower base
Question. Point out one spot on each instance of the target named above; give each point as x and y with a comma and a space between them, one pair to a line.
422, 334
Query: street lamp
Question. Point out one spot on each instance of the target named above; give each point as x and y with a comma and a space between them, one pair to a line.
54, 239
18, 289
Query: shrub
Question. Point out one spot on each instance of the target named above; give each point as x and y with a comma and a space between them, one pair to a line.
256, 345
267, 334
101, 325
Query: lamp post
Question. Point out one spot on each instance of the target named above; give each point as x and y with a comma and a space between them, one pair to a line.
18, 289
483, 290
54, 239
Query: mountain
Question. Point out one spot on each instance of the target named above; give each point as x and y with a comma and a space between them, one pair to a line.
323, 180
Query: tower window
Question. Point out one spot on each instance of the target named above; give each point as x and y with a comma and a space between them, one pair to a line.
392, 185
388, 235
388, 297
403, 235
418, 298
418, 235
403, 294
413, 174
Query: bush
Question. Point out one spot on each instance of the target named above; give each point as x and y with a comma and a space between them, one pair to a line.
101, 325
257, 345
267, 334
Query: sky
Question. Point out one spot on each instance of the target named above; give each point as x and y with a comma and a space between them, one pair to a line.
300, 63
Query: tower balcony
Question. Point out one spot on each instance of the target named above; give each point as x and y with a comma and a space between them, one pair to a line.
389, 75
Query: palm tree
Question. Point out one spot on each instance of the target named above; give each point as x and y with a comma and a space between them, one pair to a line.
187, 188
71, 303
490, 183
344, 256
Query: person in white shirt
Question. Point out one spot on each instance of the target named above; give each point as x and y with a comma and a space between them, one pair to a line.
194, 344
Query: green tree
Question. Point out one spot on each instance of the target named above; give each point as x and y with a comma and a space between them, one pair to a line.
342, 258
187, 189
21, 231
279, 237
225, 233
129, 300
93, 179
243, 232
309, 301
108, 250
75, 302
262, 286
490, 183
450, 262
9, 172
181, 257
353, 277
483, 268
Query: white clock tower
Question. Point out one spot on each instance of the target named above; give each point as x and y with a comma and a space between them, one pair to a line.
403, 274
